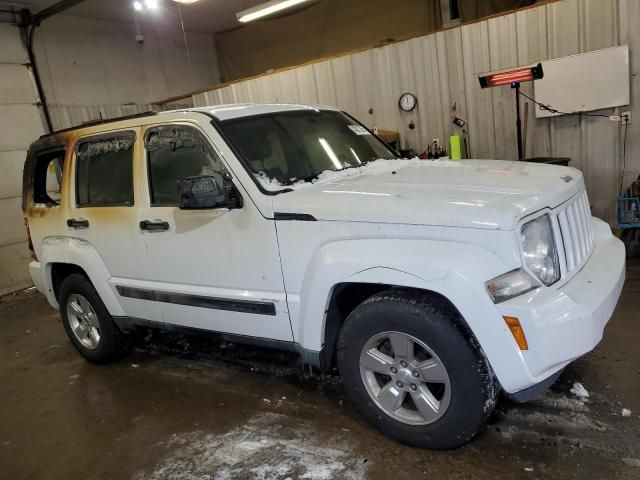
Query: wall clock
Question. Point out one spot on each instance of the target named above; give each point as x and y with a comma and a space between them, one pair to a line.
407, 102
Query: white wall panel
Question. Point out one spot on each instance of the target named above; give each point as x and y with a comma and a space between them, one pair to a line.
20, 124
442, 68
12, 50
344, 84
66, 116
11, 216
324, 83
16, 85
11, 177
84, 61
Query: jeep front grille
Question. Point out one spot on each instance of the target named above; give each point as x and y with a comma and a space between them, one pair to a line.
574, 219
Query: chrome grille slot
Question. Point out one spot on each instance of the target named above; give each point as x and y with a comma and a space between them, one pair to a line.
577, 235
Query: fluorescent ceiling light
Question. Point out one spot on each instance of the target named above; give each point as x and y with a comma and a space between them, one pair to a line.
151, 4
186, 2
265, 9
137, 6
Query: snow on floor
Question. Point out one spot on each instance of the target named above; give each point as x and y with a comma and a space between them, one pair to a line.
579, 391
561, 402
266, 447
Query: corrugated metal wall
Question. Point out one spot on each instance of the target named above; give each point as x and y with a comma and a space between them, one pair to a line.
442, 69
65, 116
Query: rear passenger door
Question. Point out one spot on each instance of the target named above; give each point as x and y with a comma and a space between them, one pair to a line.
103, 211
214, 269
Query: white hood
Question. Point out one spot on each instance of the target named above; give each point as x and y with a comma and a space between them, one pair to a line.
487, 194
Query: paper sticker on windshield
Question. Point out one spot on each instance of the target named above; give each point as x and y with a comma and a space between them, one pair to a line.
359, 130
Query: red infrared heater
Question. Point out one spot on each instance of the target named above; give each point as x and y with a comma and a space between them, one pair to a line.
514, 78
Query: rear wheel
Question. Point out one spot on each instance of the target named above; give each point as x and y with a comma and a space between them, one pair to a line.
87, 322
414, 371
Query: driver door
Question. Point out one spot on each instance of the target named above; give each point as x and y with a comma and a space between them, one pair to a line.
215, 269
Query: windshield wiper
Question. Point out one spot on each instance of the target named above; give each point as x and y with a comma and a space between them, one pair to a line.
356, 165
309, 177
315, 174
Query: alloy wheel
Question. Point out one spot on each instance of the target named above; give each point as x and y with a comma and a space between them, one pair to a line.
405, 378
83, 321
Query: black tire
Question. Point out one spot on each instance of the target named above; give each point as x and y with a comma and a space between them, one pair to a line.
473, 388
631, 239
113, 344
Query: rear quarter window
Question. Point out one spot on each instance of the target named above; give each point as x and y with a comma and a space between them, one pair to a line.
47, 177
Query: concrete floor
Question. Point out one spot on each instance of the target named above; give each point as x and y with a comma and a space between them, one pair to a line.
183, 408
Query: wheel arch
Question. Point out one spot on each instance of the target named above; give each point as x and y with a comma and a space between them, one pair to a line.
63, 256
347, 296
455, 270
59, 271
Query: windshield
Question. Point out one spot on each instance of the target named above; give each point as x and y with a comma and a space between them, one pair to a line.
291, 146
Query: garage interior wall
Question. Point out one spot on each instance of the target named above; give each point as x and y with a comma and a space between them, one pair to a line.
86, 61
90, 69
333, 27
442, 69
328, 28
20, 124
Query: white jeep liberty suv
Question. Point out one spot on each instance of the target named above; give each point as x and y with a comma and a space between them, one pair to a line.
432, 286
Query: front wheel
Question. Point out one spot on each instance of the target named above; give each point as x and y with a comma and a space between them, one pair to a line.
414, 371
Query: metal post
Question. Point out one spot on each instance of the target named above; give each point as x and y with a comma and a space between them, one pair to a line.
28, 23
516, 85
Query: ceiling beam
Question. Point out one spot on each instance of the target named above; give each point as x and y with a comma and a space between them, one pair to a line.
51, 10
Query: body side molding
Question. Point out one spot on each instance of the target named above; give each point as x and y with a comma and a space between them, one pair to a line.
231, 305
301, 217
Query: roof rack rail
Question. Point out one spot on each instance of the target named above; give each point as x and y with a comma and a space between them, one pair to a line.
92, 123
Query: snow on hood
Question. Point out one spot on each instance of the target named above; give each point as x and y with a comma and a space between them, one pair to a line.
490, 194
376, 166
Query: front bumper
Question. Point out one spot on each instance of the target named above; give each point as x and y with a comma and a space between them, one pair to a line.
564, 323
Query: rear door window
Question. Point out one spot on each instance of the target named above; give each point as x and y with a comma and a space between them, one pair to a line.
104, 170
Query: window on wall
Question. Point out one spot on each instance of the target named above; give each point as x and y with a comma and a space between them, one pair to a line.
104, 170
174, 153
450, 12
48, 177
470, 10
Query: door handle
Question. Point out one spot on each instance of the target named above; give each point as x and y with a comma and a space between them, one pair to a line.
77, 223
150, 226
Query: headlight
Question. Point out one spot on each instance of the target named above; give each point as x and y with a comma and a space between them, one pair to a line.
511, 285
540, 252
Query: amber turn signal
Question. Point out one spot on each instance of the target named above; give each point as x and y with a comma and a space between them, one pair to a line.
518, 333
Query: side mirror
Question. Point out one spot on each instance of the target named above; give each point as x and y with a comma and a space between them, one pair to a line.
200, 192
